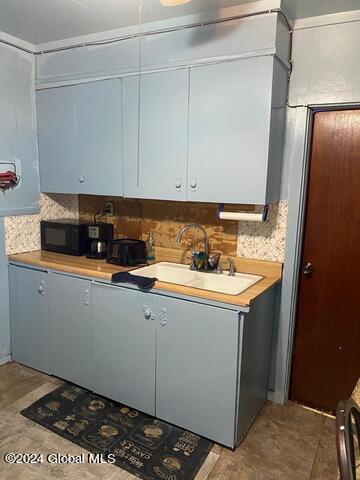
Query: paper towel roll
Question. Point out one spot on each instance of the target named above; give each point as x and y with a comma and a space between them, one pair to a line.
241, 216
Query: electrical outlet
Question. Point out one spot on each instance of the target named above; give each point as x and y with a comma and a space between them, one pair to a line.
109, 209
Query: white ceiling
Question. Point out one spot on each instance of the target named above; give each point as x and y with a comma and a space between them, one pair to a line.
41, 21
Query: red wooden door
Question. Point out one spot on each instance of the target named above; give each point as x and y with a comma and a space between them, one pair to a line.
326, 362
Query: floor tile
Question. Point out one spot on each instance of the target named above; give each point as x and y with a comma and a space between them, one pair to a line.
325, 465
281, 444
32, 396
16, 381
207, 466
231, 468
285, 442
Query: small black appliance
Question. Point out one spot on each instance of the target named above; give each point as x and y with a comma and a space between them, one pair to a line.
126, 252
98, 237
63, 236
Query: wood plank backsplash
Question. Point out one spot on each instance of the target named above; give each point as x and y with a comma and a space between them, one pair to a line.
136, 218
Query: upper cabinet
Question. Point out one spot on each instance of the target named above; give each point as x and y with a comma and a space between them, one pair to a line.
99, 137
80, 138
204, 121
210, 134
56, 137
236, 126
156, 135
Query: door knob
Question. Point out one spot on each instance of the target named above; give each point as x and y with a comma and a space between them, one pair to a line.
178, 184
81, 179
193, 183
308, 269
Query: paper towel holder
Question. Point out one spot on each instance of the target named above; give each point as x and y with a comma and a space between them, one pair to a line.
243, 216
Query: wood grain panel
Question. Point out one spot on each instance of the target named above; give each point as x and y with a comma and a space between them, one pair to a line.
326, 352
136, 218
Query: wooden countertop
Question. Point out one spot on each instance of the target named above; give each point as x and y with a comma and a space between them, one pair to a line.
271, 271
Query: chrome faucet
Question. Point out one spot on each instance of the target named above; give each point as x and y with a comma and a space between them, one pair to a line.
232, 268
195, 225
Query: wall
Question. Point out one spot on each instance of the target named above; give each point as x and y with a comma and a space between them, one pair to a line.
136, 218
22, 233
325, 66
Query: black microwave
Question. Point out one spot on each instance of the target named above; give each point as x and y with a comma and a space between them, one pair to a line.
63, 236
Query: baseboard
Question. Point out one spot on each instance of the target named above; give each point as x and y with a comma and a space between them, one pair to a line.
277, 397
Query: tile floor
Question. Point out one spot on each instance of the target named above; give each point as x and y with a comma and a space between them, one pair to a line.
285, 443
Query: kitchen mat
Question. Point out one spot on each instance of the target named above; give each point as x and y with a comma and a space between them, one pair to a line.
140, 444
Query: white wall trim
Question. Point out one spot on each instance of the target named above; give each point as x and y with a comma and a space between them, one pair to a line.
297, 188
9, 212
326, 20
14, 42
77, 79
212, 15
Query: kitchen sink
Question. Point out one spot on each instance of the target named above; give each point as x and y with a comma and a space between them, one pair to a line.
181, 275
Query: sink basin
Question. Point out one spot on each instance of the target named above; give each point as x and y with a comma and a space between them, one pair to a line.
181, 275
225, 284
168, 272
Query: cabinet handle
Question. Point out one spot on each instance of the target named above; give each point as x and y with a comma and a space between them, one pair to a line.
163, 317
148, 314
193, 184
86, 297
178, 184
42, 288
81, 179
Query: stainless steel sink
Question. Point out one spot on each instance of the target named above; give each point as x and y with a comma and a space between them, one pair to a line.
181, 275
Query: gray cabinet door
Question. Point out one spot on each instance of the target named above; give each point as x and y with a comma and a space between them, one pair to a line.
229, 131
56, 138
156, 166
99, 137
29, 317
197, 368
70, 329
124, 346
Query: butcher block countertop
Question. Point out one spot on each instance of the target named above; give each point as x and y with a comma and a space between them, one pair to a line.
271, 271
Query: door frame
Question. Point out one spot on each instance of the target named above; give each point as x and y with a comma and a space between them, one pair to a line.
299, 150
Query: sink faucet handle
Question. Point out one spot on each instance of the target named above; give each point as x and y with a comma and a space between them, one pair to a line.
219, 269
232, 268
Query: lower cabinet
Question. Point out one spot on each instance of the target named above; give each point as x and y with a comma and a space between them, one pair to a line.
201, 367
29, 317
197, 367
124, 346
193, 349
70, 316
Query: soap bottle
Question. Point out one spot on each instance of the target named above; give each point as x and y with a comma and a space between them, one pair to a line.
150, 246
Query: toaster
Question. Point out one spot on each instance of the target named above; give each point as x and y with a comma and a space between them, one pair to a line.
126, 252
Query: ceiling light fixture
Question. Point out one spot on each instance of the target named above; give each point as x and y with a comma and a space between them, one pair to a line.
173, 3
